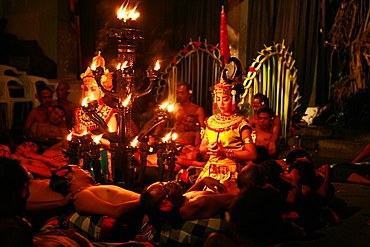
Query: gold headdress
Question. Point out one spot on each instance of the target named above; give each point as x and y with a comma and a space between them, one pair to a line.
106, 78
229, 85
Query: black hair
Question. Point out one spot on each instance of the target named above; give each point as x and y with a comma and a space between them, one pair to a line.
58, 182
306, 170
267, 110
42, 88
60, 108
263, 99
250, 176
295, 154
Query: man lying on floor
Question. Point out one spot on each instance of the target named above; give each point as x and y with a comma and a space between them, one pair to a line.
95, 199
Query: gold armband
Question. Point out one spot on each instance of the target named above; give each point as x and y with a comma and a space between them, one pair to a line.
247, 140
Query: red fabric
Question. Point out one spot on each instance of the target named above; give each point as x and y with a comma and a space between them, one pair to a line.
106, 229
224, 39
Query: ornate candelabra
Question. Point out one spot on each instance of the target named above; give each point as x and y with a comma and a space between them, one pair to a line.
124, 93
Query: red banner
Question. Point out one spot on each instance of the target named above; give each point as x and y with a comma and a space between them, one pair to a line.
224, 38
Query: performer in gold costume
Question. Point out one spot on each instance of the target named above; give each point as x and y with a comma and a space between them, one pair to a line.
92, 91
227, 138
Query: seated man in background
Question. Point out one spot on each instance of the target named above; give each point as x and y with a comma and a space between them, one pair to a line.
40, 113
261, 101
191, 131
52, 131
264, 133
62, 91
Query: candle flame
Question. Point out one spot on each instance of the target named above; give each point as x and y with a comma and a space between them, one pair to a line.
157, 66
85, 101
69, 137
163, 106
174, 136
167, 137
97, 139
110, 128
125, 13
93, 66
127, 100
85, 132
118, 66
170, 108
134, 142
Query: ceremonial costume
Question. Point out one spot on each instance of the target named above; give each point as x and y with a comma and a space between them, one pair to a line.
226, 131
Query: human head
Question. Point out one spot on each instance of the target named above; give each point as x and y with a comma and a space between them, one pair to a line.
57, 114
4, 150
45, 96
251, 176
272, 171
161, 201
265, 117
28, 147
14, 190
183, 93
227, 93
191, 122
306, 170
255, 216
296, 153
259, 101
90, 87
62, 90
65, 175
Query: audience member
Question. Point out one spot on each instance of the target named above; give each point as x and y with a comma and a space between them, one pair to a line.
191, 131
92, 198
40, 113
182, 109
52, 130
227, 137
261, 101
264, 133
62, 91
167, 201
14, 230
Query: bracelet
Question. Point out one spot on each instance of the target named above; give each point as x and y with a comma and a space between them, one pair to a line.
230, 153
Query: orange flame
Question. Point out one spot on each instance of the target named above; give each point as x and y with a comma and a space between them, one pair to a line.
157, 66
167, 137
126, 14
85, 101
127, 100
170, 108
69, 137
174, 136
164, 105
97, 139
134, 142
93, 66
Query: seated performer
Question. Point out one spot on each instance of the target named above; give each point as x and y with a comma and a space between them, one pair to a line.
83, 120
261, 101
191, 132
227, 138
263, 132
62, 91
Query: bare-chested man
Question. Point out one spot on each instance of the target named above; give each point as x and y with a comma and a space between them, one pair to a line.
40, 113
92, 198
163, 200
53, 127
62, 91
261, 101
